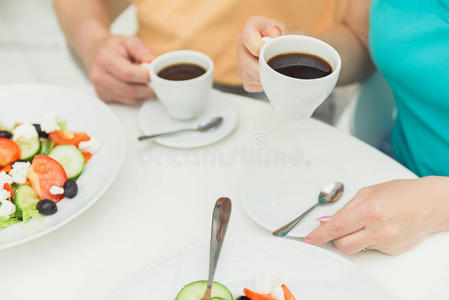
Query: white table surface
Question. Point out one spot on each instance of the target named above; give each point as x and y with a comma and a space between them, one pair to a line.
156, 206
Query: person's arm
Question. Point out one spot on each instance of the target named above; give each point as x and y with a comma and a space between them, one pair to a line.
110, 60
350, 38
85, 25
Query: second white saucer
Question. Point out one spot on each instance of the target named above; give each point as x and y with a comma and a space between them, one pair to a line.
154, 118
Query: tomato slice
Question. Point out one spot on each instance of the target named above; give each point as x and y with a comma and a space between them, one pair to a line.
87, 157
65, 137
255, 296
6, 168
46, 172
9, 152
287, 293
8, 188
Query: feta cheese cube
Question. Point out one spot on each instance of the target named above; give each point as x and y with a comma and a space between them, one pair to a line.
90, 146
50, 123
56, 190
19, 172
278, 293
25, 133
5, 178
7, 208
265, 283
4, 195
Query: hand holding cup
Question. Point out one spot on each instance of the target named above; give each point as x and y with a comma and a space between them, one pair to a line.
297, 72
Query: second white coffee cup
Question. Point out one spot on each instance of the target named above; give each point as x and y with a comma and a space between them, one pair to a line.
184, 99
295, 98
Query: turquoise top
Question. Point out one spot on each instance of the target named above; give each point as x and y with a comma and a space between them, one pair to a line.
409, 42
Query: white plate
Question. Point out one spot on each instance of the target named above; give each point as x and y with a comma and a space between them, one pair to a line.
154, 118
273, 201
30, 103
310, 272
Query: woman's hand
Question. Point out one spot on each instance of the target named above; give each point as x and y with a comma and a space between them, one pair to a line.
114, 71
249, 44
391, 217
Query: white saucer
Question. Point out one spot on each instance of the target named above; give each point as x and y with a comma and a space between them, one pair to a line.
273, 201
154, 118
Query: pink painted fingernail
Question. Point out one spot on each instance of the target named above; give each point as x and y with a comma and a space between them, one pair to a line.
278, 29
323, 219
307, 241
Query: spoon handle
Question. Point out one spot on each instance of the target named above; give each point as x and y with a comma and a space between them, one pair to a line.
220, 220
284, 230
146, 137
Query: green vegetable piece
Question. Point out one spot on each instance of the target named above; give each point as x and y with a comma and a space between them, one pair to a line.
25, 200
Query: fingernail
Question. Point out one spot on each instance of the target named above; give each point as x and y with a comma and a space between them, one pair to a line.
278, 29
307, 241
323, 219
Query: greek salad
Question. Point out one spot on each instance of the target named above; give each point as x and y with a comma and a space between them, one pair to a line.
266, 287
39, 166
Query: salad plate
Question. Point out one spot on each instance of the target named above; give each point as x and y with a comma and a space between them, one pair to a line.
154, 118
65, 170
309, 272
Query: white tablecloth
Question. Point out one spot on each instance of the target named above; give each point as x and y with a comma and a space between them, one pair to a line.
162, 200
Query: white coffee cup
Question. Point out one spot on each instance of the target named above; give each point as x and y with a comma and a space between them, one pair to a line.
295, 98
184, 99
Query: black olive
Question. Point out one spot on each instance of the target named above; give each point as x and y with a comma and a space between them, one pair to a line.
70, 188
5, 134
42, 134
46, 207
243, 298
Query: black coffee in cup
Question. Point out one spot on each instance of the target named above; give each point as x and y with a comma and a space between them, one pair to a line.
181, 71
300, 65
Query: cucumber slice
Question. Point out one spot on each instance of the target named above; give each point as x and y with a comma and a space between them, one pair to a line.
30, 149
25, 200
196, 290
71, 159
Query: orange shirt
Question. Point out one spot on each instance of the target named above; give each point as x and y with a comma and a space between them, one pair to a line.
212, 26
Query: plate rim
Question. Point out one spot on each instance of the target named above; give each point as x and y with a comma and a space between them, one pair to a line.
111, 178
177, 146
251, 185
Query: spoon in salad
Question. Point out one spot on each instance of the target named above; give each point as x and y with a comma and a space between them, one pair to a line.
204, 126
220, 220
329, 194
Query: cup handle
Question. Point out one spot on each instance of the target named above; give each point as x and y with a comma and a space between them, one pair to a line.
147, 66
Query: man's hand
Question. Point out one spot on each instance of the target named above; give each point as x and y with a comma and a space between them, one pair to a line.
115, 72
390, 217
249, 44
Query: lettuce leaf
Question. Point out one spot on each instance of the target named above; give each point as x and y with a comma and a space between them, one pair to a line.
6, 222
62, 124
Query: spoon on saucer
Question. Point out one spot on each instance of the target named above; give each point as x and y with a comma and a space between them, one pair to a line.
329, 194
220, 220
203, 127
